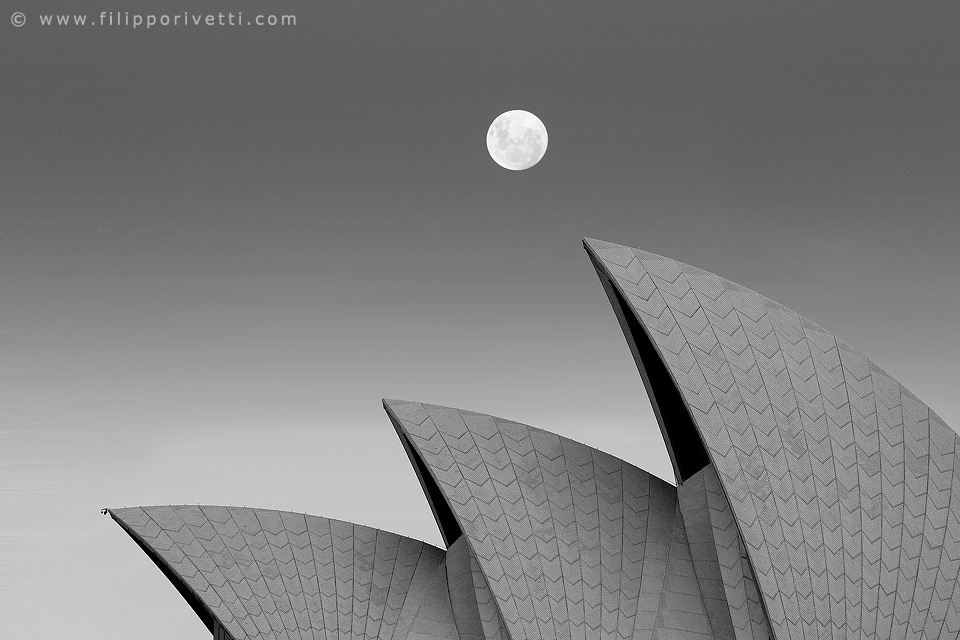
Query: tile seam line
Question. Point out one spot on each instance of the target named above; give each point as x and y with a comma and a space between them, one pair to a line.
923, 529
818, 498
296, 563
220, 537
272, 555
316, 572
939, 571
780, 519
793, 491
553, 520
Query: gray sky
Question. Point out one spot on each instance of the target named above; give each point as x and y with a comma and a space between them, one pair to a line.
220, 247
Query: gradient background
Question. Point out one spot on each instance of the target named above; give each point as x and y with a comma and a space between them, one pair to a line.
221, 247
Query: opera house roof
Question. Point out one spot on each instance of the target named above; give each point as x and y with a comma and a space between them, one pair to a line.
815, 497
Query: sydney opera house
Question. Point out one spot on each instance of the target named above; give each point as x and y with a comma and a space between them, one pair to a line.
814, 498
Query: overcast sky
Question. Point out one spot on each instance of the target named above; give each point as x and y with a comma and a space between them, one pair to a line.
221, 247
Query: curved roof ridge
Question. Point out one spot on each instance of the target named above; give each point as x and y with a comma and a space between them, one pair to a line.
110, 510
388, 401
593, 245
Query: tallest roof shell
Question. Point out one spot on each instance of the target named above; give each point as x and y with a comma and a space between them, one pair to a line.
845, 487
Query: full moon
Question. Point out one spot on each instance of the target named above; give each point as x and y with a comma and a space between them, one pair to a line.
517, 140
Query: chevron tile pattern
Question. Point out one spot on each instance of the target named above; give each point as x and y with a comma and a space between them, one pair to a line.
473, 604
818, 499
841, 482
719, 559
280, 575
574, 542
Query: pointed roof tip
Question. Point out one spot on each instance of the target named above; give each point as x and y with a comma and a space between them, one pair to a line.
594, 246
598, 241
393, 403
622, 254
400, 411
388, 405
